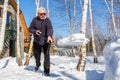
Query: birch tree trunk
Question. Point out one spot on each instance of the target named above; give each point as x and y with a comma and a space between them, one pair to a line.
22, 41
2, 32
68, 15
112, 15
82, 61
113, 19
32, 39
18, 36
28, 56
48, 9
92, 32
73, 26
74, 15
37, 6
70, 22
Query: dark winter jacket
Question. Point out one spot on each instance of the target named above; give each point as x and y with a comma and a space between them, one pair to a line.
44, 26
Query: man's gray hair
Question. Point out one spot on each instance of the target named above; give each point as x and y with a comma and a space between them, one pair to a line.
41, 8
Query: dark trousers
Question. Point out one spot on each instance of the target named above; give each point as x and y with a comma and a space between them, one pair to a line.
37, 54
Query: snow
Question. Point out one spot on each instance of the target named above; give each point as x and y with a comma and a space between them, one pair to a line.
112, 60
62, 68
73, 40
111, 54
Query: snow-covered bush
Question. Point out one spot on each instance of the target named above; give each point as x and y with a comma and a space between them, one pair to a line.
112, 60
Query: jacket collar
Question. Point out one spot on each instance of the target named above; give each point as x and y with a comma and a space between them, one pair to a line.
38, 18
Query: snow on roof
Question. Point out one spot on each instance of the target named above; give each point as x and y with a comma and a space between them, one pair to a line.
74, 40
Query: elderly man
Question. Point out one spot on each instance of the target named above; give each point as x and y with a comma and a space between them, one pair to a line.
42, 30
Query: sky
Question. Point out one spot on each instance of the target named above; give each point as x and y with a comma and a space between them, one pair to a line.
28, 8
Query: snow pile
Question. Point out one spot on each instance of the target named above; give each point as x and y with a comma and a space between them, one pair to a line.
73, 40
112, 60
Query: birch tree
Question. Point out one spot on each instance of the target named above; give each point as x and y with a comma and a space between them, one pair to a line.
70, 23
32, 39
18, 36
48, 9
74, 18
37, 2
112, 15
82, 61
68, 16
2, 32
92, 33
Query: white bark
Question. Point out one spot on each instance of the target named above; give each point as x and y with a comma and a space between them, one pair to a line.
74, 15
68, 15
37, 5
22, 42
112, 15
71, 23
18, 36
2, 32
82, 61
48, 9
113, 19
84, 17
92, 33
29, 52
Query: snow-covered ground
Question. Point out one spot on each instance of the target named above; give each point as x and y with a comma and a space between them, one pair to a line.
62, 68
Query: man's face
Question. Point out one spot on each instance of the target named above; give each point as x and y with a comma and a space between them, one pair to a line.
42, 14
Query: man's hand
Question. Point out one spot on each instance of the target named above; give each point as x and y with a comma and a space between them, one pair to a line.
38, 32
50, 39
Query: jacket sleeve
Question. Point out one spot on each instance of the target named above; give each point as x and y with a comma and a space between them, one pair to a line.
49, 28
32, 27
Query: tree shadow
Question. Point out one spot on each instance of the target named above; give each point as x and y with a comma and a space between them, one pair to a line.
94, 75
56, 65
6, 63
91, 61
69, 75
32, 68
54, 75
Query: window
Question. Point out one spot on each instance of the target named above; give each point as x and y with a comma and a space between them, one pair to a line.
8, 20
1, 11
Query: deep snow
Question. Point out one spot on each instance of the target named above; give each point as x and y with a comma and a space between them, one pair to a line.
112, 60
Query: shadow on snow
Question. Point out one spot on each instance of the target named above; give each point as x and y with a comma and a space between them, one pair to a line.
6, 63
94, 75
31, 68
